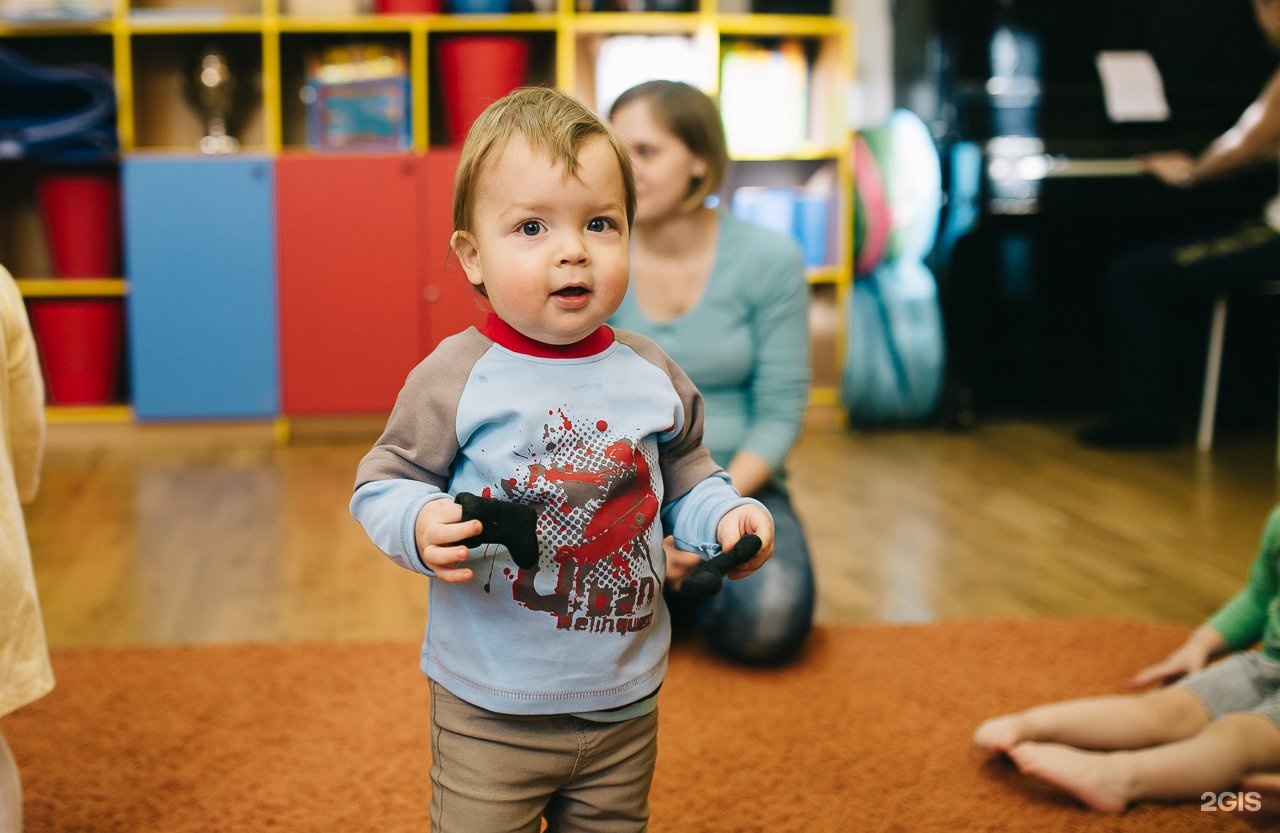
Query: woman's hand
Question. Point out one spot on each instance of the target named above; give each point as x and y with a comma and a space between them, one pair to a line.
679, 562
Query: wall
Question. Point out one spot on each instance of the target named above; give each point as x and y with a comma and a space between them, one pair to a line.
871, 98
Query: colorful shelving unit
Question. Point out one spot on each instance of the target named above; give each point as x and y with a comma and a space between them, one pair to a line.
284, 280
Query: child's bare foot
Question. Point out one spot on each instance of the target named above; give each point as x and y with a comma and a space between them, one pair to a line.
1085, 775
1001, 734
1261, 807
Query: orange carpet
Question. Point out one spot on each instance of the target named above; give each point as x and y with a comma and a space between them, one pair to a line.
869, 731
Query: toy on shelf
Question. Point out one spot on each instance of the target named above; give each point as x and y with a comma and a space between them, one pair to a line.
213, 91
357, 97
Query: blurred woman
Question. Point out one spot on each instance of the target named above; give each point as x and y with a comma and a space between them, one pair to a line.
25, 674
729, 302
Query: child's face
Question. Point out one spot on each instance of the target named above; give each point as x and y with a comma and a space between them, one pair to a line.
550, 248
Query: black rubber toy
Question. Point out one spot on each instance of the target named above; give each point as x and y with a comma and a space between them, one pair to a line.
705, 579
513, 525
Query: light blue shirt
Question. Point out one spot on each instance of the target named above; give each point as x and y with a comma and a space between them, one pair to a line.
606, 444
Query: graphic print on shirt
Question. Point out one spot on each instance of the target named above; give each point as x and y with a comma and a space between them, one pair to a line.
596, 500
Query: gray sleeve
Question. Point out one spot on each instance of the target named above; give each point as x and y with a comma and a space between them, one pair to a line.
420, 439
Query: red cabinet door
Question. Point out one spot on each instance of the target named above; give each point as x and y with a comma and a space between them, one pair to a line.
449, 304
349, 245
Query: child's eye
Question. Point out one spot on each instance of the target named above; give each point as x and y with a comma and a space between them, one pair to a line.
530, 228
599, 224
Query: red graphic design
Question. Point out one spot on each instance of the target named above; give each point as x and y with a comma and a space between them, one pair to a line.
597, 508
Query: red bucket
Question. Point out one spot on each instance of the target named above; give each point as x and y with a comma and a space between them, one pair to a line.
81, 212
79, 343
476, 71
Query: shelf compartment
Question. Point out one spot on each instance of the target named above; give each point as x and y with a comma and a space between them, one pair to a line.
816, 180
178, 9
213, 23
61, 28
826, 345
25, 244
525, 22
298, 49
164, 71
358, 25
23, 247
607, 63
781, 96
540, 70
638, 22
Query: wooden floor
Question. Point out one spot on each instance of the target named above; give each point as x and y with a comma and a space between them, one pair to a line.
152, 534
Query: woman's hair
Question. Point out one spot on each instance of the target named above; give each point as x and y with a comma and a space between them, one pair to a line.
691, 117
551, 121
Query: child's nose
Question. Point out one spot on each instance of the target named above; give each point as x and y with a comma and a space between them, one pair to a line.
573, 250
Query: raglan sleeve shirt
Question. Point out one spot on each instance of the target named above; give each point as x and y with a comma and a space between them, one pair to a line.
605, 442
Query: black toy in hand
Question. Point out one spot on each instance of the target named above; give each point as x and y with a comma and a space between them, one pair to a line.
705, 579
513, 525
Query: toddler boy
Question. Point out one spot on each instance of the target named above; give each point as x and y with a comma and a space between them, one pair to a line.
545, 680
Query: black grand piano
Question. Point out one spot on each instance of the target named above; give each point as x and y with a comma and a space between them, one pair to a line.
1059, 191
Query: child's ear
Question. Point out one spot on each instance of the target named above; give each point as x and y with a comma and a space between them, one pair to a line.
463, 244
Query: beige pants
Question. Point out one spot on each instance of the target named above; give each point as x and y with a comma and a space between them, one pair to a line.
10, 791
498, 773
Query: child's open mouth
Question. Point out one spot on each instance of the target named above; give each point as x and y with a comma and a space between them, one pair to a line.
571, 292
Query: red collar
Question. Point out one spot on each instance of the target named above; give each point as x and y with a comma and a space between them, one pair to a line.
504, 335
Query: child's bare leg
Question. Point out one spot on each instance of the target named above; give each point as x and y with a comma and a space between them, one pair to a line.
1120, 721
1214, 760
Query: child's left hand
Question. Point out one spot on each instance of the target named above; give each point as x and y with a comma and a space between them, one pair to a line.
741, 521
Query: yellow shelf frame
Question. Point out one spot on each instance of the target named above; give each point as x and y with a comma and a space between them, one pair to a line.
88, 414
73, 287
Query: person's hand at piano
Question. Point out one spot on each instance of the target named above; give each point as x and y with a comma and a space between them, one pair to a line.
1173, 167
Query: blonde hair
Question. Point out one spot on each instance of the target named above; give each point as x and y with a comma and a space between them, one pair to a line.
551, 121
693, 118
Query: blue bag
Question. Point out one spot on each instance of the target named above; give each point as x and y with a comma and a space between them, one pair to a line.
895, 357
55, 113
895, 361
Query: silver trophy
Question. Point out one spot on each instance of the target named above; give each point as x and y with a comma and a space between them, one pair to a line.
213, 89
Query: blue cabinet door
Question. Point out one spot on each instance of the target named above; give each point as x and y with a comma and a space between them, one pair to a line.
200, 257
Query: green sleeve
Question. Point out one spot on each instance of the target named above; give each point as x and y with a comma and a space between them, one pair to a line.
1242, 620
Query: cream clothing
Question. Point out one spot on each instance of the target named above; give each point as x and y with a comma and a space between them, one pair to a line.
25, 673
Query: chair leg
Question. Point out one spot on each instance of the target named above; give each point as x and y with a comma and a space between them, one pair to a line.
1212, 369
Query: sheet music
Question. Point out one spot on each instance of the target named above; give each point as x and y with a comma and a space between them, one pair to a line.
1132, 87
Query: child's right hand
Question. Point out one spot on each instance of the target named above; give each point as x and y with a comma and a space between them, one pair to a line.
1192, 656
436, 531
